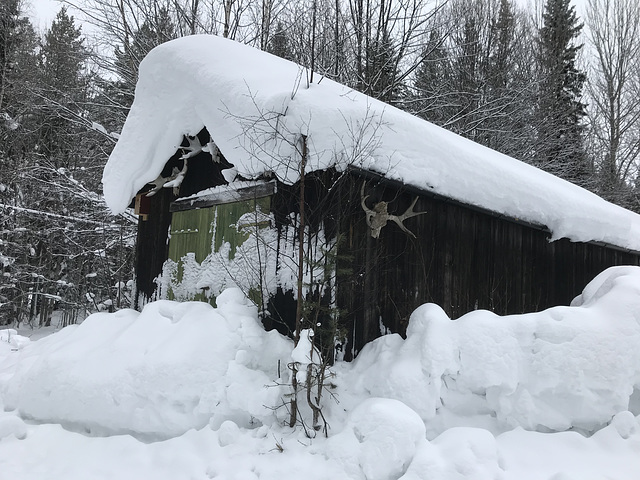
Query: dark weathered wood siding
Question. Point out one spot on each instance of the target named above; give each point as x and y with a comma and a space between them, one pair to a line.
462, 259
152, 246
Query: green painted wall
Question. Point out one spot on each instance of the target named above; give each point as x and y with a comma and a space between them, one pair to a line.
195, 231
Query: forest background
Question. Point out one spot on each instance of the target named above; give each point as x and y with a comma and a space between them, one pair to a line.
536, 82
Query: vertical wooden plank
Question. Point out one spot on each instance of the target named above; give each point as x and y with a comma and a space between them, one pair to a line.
152, 246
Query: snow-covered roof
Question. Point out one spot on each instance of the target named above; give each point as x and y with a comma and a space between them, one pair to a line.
257, 106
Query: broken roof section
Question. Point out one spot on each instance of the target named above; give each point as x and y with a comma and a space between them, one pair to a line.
257, 106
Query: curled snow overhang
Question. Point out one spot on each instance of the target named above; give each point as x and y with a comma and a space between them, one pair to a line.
257, 107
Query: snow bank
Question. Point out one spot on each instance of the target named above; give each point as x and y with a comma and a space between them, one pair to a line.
179, 366
10, 343
379, 440
566, 367
50, 452
408, 409
159, 373
10, 338
239, 93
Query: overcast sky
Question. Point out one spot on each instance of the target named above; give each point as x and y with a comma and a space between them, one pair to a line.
42, 12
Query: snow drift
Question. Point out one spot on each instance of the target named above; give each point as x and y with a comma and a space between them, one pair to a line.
452, 401
156, 374
179, 366
563, 368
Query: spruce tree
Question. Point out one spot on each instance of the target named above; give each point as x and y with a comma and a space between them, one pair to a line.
502, 59
8, 40
54, 250
510, 85
381, 69
433, 85
154, 31
18, 83
279, 43
64, 88
17, 63
560, 109
476, 80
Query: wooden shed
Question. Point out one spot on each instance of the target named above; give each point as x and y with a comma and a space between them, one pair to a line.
395, 211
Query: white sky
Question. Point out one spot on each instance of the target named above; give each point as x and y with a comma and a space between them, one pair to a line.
42, 12
579, 4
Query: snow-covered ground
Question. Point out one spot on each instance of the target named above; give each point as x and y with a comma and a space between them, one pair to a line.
186, 391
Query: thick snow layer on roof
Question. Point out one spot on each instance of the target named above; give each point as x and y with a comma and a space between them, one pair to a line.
257, 107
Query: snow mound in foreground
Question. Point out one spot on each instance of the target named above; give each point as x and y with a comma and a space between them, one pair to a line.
158, 373
10, 338
381, 437
178, 366
563, 368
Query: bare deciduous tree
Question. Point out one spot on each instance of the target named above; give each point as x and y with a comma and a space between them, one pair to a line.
614, 33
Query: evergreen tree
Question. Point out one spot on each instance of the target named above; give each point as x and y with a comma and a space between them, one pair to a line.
154, 31
470, 49
17, 66
64, 90
18, 81
279, 43
54, 250
8, 42
510, 85
503, 49
560, 109
18, 77
381, 75
433, 88
476, 81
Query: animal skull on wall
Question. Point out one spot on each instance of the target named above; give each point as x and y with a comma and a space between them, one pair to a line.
379, 216
177, 176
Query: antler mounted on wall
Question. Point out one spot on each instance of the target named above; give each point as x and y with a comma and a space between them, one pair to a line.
379, 216
177, 176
